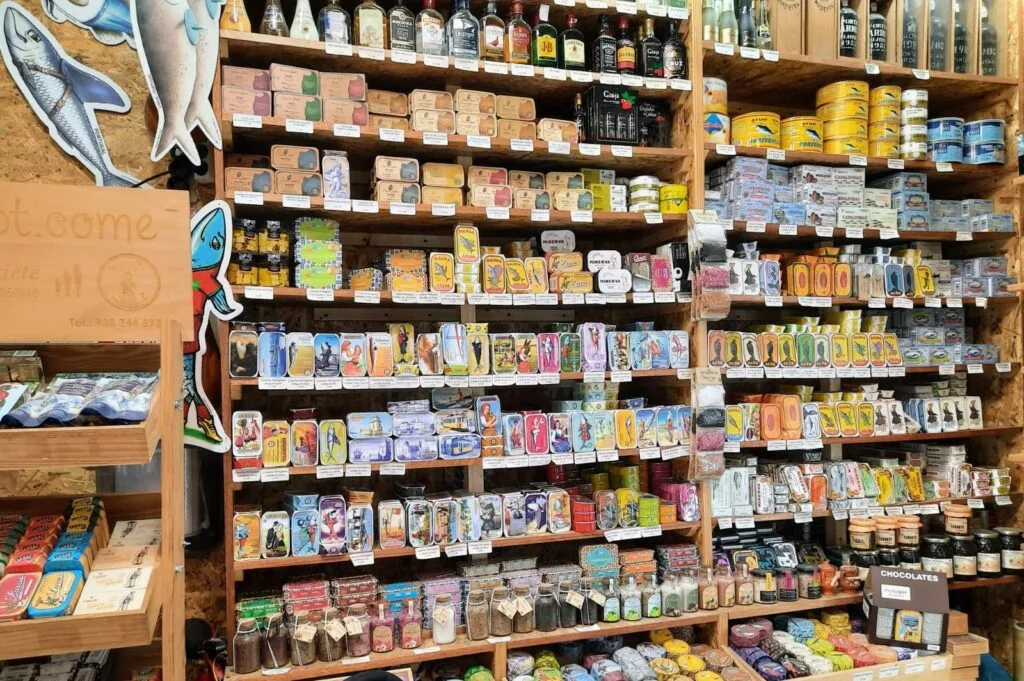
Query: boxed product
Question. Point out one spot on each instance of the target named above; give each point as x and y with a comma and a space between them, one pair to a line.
432, 120
476, 124
509, 129
287, 157
431, 99
555, 130
515, 108
474, 101
298, 107
346, 112
249, 180
381, 121
241, 77
387, 103
298, 183
443, 175
441, 195
244, 101
343, 86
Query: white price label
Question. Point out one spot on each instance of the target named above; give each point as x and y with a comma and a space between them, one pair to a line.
895, 164
497, 212
363, 206
546, 298
442, 210
756, 226
648, 453
524, 70
750, 53
356, 383
803, 517
954, 302
681, 13
746, 523
436, 139
1003, 367
929, 509
593, 376
894, 510
249, 198
897, 372
362, 558
365, 659
453, 298
1003, 500
492, 462
480, 547
403, 56
975, 503
259, 292
456, 381
728, 49
788, 230
551, 73
725, 523
644, 298
964, 236
903, 303
589, 149
621, 376
655, 83
725, 149
943, 166
467, 64
630, 80
975, 368
888, 234
581, 216
875, 511
320, 295
607, 455
375, 53
498, 68
840, 514
858, 160
279, 474
871, 69
621, 151
346, 130
428, 552
240, 120
915, 668
478, 141
243, 475
431, 381
402, 208
854, 232
558, 147
888, 672
392, 469
501, 299
683, 84
391, 134
330, 472
773, 301
825, 231
610, 79
581, 76
299, 126
876, 303
436, 60
981, 302
938, 664
933, 302
294, 201
517, 144
585, 458
357, 470
426, 650
337, 48
911, 509
523, 299
770, 55
921, 74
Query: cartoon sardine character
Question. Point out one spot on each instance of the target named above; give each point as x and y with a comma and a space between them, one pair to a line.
109, 21
63, 93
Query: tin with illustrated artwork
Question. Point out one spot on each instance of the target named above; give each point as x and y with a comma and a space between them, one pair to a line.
535, 505
559, 429
451, 398
805, 350
865, 419
607, 509
381, 356
716, 348
582, 429
455, 348
537, 275
924, 281
420, 522
494, 273
514, 427
276, 443
558, 511
416, 448
847, 417
536, 427
526, 353
503, 353
829, 420
893, 280
659, 352
454, 421
662, 279
625, 429
370, 450
859, 349
300, 354
247, 435
247, 533
881, 417
678, 349
897, 420
467, 244
751, 350
811, 420
684, 419
771, 277
406, 424
516, 280
275, 534
514, 511
768, 347
469, 517
751, 421
460, 446
646, 428
733, 423
488, 416
391, 524
332, 509
733, 349
570, 352
479, 342
305, 532
891, 346
668, 429
403, 342
442, 272
365, 424
629, 506
604, 429
353, 354
639, 265
428, 354
304, 438
243, 354
273, 354
876, 350
491, 525
547, 353
619, 357
592, 338
359, 528
445, 514
787, 350
640, 350
840, 350
822, 350
327, 361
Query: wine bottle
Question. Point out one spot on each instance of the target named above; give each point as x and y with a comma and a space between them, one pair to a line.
649, 52
673, 53
909, 56
764, 29
959, 39
273, 22
709, 18
848, 25
748, 32
938, 41
878, 35
989, 44
728, 28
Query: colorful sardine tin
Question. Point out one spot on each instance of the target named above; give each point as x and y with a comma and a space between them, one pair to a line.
353, 355
305, 437
429, 359
359, 528
559, 429
537, 438
333, 526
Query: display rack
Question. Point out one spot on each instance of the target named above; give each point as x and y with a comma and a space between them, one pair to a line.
91, 329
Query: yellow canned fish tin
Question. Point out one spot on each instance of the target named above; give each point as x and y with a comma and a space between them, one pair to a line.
757, 129
845, 127
884, 149
802, 133
847, 145
884, 131
673, 205
845, 109
885, 95
841, 91
886, 112
672, 191
716, 128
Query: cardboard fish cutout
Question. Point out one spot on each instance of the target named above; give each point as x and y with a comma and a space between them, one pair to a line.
62, 92
211, 293
109, 21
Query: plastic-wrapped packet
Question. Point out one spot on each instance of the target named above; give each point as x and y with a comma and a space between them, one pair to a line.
633, 665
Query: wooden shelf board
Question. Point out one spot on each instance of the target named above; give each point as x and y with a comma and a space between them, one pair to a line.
988, 369
81, 633
982, 432
291, 294
542, 638
775, 517
850, 301
380, 554
983, 583
808, 232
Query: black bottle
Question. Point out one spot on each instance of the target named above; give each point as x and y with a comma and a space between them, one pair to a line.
989, 45
649, 52
938, 41
959, 39
848, 24
909, 57
673, 53
602, 50
580, 119
878, 35
748, 32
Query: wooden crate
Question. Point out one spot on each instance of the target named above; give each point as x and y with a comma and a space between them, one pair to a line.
932, 668
821, 28
787, 23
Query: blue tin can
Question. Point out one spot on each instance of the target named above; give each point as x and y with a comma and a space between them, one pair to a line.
949, 129
985, 130
951, 152
985, 153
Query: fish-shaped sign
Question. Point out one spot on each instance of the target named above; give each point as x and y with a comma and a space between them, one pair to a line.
109, 21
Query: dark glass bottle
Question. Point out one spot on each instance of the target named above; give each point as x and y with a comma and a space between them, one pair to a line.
581, 121
878, 35
748, 32
545, 43
402, 27
650, 52
989, 45
572, 51
938, 41
764, 29
959, 39
625, 49
602, 50
909, 56
673, 53
848, 24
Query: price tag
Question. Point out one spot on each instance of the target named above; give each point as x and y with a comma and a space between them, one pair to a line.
731, 447
481, 547
776, 445
346, 130
728, 49
497, 212
240, 120
745, 523
876, 303
337, 204
517, 144
681, 84
431, 381
888, 234
632, 80
442, 210
897, 372
546, 298
551, 73
436, 60
362, 558
921, 74
756, 226
581, 216
259, 292
359, 206
575, 599
943, 166
814, 301
356, 383
467, 64
428, 552
750, 53
933, 302
915, 668
558, 147
725, 149
426, 650
453, 298
787, 230
499, 68
523, 299
981, 302
954, 302
524, 70
874, 511
500, 639
975, 368
871, 69
773, 301
655, 83
501, 299
825, 231
249, 198
590, 149
402, 208
854, 232
888, 672
581, 76
622, 376
620, 151
681, 13
803, 517
492, 462
478, 141
403, 56
607, 455
456, 381
294, 201
929, 509
392, 469
593, 376
1003, 367
539, 459
357, 470
904, 303
648, 453
894, 510
299, 126
375, 53
585, 458
896, 164
391, 135
644, 298
938, 664
840, 514
858, 513
651, 531
975, 503
437, 139
320, 295
857, 160
404, 297
365, 659
335, 47
610, 79
330, 472
1003, 500
243, 475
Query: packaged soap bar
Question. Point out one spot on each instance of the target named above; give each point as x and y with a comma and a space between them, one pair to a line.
342, 86
563, 180
533, 199
474, 101
393, 122
516, 108
441, 195
299, 183
294, 79
125, 556
287, 157
395, 169
443, 175
556, 130
526, 179
244, 101
16, 591
431, 99
406, 192
241, 77
56, 595
512, 130
476, 124
488, 195
479, 175
345, 112
388, 103
432, 120
298, 107
135, 533
572, 199
121, 578
96, 602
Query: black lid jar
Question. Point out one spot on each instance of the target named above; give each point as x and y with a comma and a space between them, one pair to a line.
937, 555
989, 553
965, 557
1012, 555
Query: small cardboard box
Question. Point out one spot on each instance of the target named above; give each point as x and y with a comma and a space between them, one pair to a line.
821, 34
907, 608
787, 24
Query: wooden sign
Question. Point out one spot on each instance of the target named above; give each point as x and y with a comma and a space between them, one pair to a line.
91, 264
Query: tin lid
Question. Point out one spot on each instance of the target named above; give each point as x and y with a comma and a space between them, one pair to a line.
940, 539
1007, 531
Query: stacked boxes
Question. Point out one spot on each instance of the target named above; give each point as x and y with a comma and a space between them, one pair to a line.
259, 253
884, 121
914, 125
930, 337
842, 107
317, 253
290, 170
909, 198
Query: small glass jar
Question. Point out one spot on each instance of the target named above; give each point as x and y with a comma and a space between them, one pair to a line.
503, 607
245, 647
1012, 556
885, 532
358, 636
726, 587
590, 613
786, 584
937, 555
864, 561
689, 590
546, 608
651, 597
965, 557
477, 615
908, 531
671, 596
382, 629
862, 534
303, 638
849, 579
829, 581
611, 611
989, 560
410, 626
524, 621
808, 579
889, 557
274, 653
910, 558
442, 620
707, 587
632, 600
744, 586
568, 614
765, 590
958, 519
330, 637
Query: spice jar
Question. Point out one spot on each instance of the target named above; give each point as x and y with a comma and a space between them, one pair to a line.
245, 646
862, 533
523, 621
274, 652
726, 587
744, 586
568, 613
764, 586
937, 554
590, 611
965, 557
632, 600
1012, 556
303, 638
330, 637
958, 519
864, 561
651, 597
808, 580
707, 587
410, 626
357, 623
689, 590
382, 629
829, 580
477, 612
545, 609
786, 584
908, 530
611, 611
671, 596
889, 557
988, 553
885, 532
443, 620
910, 558
503, 608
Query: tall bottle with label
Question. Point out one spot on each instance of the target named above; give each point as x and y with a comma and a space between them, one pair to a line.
709, 19
334, 23
848, 25
545, 43
463, 32
728, 28
878, 35
401, 27
234, 17
572, 51
748, 32
959, 39
602, 50
764, 29
371, 25
430, 31
273, 22
580, 118
989, 44
303, 24
625, 49
673, 53
492, 34
632, 601
612, 610
938, 41
650, 50
909, 45
517, 38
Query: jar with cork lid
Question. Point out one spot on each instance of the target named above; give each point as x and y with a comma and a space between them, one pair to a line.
862, 533
958, 519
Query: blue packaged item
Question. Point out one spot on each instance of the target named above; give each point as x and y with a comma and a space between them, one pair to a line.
914, 220
948, 129
789, 213
68, 560
370, 450
946, 152
413, 423
460, 446
56, 595
659, 350
297, 501
985, 153
416, 448
985, 130
306, 532
369, 424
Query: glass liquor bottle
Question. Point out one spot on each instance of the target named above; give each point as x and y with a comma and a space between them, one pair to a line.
371, 25
430, 31
463, 32
545, 43
673, 53
989, 44
235, 18
492, 34
651, 597
959, 39
848, 24
401, 28
709, 20
518, 37
728, 29
650, 51
303, 25
748, 33
612, 610
878, 35
625, 49
335, 24
938, 41
909, 51
273, 22
580, 119
602, 50
572, 51
632, 601
764, 29
671, 596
